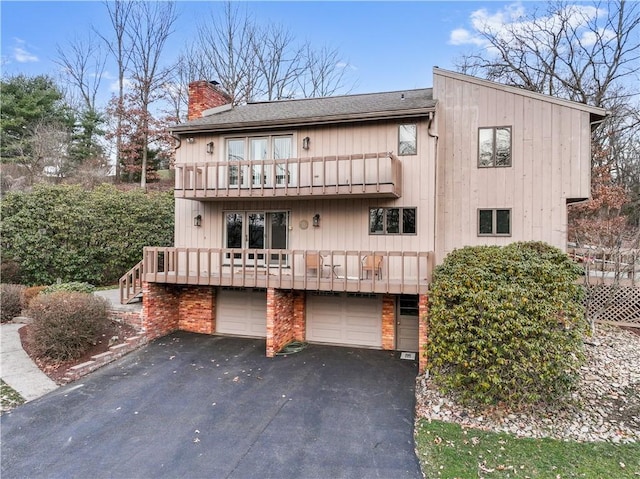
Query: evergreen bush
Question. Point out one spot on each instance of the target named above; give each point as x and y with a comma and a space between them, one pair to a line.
75, 234
506, 324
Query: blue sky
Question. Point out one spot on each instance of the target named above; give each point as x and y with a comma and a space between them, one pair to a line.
389, 45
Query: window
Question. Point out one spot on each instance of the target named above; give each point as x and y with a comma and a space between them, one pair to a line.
494, 222
389, 221
407, 140
494, 147
257, 149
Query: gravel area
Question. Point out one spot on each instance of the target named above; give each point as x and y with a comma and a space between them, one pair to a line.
605, 406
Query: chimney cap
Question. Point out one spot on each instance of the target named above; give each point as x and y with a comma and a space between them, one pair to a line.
214, 83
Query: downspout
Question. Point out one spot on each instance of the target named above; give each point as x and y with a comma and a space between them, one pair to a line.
435, 135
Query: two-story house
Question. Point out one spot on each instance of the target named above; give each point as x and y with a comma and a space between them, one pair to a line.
321, 219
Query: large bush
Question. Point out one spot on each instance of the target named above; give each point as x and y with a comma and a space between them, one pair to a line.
10, 301
66, 325
72, 234
506, 324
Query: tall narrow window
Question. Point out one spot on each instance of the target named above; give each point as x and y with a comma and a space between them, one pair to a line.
494, 147
235, 153
494, 222
407, 140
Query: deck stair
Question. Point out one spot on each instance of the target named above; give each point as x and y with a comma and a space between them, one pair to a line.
131, 284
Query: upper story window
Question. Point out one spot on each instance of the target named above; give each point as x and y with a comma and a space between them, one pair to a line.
407, 139
259, 148
389, 221
494, 147
494, 222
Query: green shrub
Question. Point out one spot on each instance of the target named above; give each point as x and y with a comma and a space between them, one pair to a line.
506, 324
67, 232
73, 286
66, 325
10, 301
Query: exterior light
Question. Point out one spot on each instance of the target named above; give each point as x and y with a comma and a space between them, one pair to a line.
316, 220
197, 220
305, 142
210, 147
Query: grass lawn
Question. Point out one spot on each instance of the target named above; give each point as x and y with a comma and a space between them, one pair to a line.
447, 450
9, 397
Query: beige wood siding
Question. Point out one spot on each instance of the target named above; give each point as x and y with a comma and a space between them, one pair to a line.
550, 163
344, 223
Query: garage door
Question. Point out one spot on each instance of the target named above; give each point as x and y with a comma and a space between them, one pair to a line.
242, 312
348, 319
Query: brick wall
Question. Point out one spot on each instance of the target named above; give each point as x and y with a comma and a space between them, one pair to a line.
197, 309
132, 318
159, 310
299, 316
423, 332
203, 95
388, 322
280, 319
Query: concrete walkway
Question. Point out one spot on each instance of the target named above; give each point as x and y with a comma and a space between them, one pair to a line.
16, 367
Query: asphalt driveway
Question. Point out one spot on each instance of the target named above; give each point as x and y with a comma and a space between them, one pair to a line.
201, 406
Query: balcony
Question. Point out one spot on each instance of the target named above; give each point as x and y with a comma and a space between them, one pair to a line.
373, 175
391, 272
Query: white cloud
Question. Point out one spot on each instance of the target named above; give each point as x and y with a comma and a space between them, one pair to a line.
509, 20
462, 36
589, 37
21, 54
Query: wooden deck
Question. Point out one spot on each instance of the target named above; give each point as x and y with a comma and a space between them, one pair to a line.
339, 271
365, 175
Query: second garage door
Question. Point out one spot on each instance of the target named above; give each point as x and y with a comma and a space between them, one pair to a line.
353, 320
242, 312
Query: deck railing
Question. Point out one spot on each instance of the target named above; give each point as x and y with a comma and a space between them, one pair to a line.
371, 174
131, 283
393, 272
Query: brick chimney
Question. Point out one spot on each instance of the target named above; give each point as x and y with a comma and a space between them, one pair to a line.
204, 95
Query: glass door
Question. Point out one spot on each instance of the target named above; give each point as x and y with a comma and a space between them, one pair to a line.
255, 237
257, 230
278, 236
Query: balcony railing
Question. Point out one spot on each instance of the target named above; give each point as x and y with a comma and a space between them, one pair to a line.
352, 271
370, 175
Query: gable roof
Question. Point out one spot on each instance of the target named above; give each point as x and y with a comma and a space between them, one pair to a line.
310, 111
596, 113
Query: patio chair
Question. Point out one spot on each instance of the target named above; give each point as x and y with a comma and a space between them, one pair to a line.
314, 264
372, 264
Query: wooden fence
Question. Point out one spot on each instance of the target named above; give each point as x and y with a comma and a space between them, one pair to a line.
612, 283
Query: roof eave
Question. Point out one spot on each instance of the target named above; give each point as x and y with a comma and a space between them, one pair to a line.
297, 122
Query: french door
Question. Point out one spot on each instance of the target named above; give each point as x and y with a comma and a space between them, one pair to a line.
257, 230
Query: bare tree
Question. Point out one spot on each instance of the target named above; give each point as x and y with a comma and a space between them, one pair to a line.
569, 50
119, 14
324, 73
252, 62
83, 63
279, 62
149, 28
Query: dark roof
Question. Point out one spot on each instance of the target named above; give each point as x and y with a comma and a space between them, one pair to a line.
370, 106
